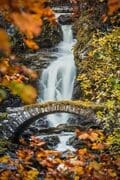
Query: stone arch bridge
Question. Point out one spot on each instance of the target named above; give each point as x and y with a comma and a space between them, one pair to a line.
18, 119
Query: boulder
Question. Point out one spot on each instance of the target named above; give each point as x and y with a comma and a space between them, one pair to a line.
59, 3
50, 36
37, 60
10, 100
76, 143
51, 141
86, 121
65, 19
77, 93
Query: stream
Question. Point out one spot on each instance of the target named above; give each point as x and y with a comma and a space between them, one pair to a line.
57, 82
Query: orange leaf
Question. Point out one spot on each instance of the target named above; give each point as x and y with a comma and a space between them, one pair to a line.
98, 146
36, 142
84, 136
82, 151
31, 44
29, 24
104, 18
4, 66
25, 154
4, 42
93, 136
78, 170
113, 6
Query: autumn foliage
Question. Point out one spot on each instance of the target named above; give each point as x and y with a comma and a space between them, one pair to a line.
33, 160
16, 77
112, 6
28, 17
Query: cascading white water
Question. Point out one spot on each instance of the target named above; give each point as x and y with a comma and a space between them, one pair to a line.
67, 34
58, 79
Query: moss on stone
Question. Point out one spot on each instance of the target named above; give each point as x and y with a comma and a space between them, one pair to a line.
3, 145
3, 116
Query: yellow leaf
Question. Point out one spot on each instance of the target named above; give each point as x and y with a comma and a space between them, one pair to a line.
79, 170
4, 159
95, 165
98, 146
112, 173
93, 136
28, 94
31, 175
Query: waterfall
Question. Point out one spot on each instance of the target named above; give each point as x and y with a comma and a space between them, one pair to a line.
67, 33
57, 79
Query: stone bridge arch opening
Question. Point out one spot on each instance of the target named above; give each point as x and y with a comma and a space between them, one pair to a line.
26, 124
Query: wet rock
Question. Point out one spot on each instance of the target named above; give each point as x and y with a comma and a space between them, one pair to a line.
76, 143
83, 121
74, 30
75, 120
77, 93
59, 129
10, 100
42, 123
37, 61
51, 141
68, 127
51, 35
28, 133
36, 127
65, 19
60, 3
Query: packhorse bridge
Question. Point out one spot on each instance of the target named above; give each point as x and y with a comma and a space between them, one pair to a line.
19, 119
